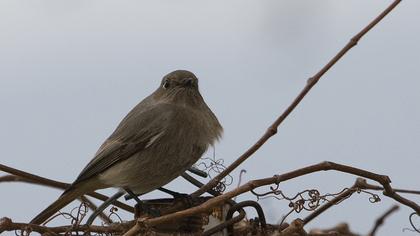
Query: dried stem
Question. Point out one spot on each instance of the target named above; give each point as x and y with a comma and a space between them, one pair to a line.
7, 224
91, 205
31, 178
379, 222
365, 185
272, 130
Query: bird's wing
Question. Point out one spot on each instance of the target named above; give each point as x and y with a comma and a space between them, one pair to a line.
136, 132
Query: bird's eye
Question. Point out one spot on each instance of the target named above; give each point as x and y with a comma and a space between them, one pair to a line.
165, 84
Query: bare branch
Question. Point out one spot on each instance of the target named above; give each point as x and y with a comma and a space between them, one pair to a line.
31, 178
91, 205
7, 224
272, 130
381, 219
365, 185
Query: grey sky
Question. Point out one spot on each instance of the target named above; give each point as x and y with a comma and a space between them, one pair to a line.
70, 70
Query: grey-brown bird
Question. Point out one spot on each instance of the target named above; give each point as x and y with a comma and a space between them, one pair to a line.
156, 142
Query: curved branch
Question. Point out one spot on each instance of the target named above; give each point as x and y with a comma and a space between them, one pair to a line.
323, 166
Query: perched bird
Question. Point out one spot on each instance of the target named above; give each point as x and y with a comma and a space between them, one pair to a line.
156, 142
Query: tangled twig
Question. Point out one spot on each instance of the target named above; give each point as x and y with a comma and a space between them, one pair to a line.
311, 199
213, 166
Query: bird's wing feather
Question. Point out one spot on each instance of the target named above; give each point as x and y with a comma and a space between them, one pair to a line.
135, 133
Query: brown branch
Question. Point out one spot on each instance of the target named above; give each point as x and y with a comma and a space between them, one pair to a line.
379, 222
272, 130
90, 204
324, 166
31, 178
7, 224
365, 185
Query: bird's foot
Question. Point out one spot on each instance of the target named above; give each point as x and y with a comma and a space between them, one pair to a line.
141, 207
148, 210
186, 199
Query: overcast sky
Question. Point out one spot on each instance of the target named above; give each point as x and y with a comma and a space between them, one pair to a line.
71, 70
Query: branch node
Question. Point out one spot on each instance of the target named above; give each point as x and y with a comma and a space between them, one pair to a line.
272, 130
328, 165
353, 41
310, 80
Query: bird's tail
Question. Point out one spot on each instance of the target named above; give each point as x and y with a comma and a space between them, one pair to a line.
68, 196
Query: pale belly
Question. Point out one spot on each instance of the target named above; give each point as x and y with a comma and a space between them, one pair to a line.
144, 172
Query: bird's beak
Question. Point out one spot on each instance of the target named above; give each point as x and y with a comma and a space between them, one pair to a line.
188, 82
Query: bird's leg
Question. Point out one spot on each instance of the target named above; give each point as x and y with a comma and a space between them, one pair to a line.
185, 198
173, 193
143, 207
133, 196
198, 172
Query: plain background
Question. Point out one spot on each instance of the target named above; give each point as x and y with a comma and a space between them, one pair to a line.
71, 70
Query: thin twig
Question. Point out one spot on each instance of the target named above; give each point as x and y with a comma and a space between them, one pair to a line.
7, 224
31, 178
272, 130
379, 222
91, 205
365, 185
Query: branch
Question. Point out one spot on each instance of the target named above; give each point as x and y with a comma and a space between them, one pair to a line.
381, 219
272, 130
7, 224
365, 185
324, 166
35, 179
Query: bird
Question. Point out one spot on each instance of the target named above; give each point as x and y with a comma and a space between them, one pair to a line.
158, 140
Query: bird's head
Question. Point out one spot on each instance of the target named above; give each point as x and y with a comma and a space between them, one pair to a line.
181, 87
